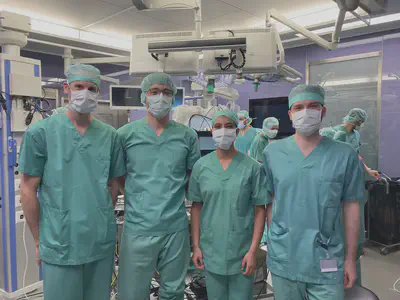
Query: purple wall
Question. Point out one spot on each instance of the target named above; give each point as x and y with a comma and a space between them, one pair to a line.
389, 150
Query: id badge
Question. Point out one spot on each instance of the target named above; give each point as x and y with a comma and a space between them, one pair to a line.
328, 265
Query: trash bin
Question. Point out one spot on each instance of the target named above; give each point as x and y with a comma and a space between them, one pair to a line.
384, 214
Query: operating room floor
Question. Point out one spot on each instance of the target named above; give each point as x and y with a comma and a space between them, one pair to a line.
379, 273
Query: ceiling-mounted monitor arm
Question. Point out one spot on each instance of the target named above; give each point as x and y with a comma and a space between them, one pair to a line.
274, 14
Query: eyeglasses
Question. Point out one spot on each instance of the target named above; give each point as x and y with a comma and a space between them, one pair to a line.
156, 92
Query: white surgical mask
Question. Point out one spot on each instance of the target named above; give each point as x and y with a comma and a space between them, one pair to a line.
241, 125
271, 133
224, 138
307, 121
159, 105
83, 101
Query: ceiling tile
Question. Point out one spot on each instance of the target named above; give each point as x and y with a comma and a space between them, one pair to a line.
74, 13
130, 22
120, 3
210, 9
260, 7
235, 20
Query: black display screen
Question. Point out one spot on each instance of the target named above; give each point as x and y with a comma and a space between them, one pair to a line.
272, 107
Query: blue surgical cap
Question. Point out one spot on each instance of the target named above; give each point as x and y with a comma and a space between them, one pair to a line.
270, 122
83, 72
156, 78
356, 115
307, 92
226, 113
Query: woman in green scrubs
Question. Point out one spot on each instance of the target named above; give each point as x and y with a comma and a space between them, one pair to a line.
269, 133
228, 191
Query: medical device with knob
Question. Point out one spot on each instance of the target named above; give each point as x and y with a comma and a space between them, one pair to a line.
21, 92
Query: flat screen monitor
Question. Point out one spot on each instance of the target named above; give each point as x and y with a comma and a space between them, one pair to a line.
128, 97
272, 107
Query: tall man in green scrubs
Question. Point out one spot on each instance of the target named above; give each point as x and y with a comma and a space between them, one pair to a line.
71, 158
247, 133
159, 156
314, 219
229, 194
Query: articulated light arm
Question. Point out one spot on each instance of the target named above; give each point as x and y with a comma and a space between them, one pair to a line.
274, 14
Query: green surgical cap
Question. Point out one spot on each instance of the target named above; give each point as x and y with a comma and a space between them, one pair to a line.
307, 92
243, 113
356, 115
82, 72
226, 113
156, 78
327, 132
270, 122
60, 110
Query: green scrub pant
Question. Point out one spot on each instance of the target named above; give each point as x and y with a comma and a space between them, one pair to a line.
140, 256
90, 281
229, 287
285, 289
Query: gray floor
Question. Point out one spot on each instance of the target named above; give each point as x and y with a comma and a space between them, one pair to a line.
379, 273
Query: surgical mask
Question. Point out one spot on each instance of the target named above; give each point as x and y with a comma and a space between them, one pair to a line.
307, 121
224, 138
83, 101
271, 133
159, 105
241, 125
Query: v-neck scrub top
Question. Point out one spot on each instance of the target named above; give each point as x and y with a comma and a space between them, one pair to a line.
227, 216
308, 207
77, 222
156, 176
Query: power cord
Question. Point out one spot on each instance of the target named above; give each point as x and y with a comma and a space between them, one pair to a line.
394, 286
26, 259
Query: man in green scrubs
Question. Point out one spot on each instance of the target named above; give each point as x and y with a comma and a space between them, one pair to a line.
247, 133
71, 158
347, 132
159, 156
229, 194
314, 220
269, 133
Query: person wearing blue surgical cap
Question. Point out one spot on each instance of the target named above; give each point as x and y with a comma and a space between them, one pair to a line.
70, 160
269, 132
247, 132
229, 194
315, 186
160, 155
347, 132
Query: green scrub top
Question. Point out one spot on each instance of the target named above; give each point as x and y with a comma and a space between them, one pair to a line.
77, 222
157, 172
350, 138
308, 205
227, 217
243, 142
257, 147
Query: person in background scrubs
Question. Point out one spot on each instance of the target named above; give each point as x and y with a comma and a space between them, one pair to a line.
246, 134
159, 156
348, 134
71, 158
314, 219
269, 133
228, 191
